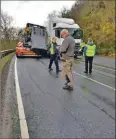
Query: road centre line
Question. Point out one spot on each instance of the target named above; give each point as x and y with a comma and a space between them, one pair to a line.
93, 80
23, 123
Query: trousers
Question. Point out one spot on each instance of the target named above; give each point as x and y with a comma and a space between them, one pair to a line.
88, 59
67, 72
54, 58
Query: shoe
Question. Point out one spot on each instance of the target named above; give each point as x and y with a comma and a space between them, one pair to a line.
50, 69
68, 88
90, 72
58, 71
67, 83
85, 71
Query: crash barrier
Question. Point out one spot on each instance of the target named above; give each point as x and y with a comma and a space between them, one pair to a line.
5, 53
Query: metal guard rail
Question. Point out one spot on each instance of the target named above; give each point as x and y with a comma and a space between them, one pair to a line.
5, 53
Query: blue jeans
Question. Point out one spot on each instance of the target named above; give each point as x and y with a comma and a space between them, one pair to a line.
54, 58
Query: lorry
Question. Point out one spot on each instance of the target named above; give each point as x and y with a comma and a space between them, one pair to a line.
35, 44
54, 25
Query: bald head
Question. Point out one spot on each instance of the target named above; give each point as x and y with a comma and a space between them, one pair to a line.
64, 33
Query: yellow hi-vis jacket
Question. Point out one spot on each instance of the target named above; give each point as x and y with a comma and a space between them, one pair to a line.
90, 51
82, 45
52, 48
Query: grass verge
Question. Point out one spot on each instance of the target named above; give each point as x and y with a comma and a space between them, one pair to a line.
5, 60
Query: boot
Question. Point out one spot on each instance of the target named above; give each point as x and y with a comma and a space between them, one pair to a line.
68, 88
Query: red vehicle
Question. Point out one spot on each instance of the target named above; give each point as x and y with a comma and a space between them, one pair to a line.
23, 51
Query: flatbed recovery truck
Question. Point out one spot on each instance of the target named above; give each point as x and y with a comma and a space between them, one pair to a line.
36, 45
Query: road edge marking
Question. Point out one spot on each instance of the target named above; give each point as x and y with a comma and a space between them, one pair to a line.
23, 122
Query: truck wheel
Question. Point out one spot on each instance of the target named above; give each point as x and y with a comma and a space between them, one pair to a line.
17, 56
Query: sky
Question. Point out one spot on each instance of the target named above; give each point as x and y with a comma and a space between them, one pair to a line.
32, 11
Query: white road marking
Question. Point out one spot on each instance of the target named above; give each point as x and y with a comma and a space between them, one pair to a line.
23, 123
93, 80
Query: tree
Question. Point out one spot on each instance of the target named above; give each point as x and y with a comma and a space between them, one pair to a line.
7, 30
53, 14
65, 13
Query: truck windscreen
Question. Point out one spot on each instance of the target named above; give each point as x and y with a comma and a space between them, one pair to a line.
75, 33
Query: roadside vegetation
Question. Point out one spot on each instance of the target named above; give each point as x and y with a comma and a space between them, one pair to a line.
9, 34
4, 61
8, 38
97, 19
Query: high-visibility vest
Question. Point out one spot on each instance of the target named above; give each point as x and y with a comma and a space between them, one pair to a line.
90, 50
82, 45
52, 49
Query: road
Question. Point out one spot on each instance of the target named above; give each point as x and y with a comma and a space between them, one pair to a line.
104, 61
87, 112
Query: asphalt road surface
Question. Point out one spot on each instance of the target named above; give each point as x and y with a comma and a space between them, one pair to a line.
86, 112
105, 61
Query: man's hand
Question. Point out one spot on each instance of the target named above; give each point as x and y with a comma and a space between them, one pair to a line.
80, 50
60, 54
62, 59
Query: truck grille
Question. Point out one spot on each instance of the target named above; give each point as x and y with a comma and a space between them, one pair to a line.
77, 46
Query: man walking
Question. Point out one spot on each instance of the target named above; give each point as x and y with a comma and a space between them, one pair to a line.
52, 49
67, 57
89, 53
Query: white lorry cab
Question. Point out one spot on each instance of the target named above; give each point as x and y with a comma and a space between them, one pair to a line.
55, 26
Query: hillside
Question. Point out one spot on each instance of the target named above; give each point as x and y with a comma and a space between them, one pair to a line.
97, 19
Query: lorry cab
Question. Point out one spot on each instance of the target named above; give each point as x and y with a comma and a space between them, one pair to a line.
56, 25
74, 31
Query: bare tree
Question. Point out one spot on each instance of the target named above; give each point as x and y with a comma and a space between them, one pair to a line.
65, 13
53, 14
8, 32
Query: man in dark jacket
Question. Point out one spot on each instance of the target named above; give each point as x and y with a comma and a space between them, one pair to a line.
53, 51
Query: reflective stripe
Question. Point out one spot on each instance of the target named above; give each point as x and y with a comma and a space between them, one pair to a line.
20, 44
90, 50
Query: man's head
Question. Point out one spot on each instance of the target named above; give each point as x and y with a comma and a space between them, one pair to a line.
64, 33
90, 40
